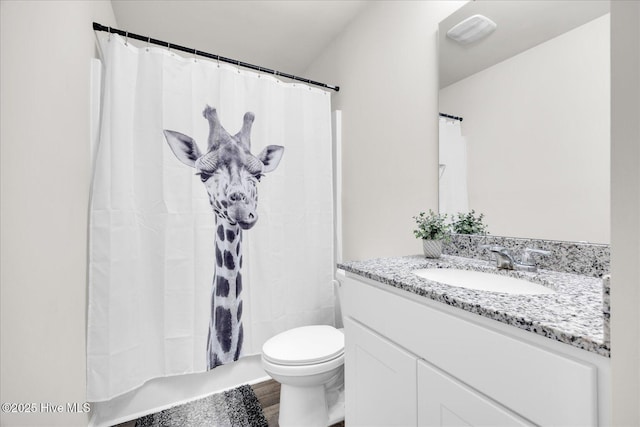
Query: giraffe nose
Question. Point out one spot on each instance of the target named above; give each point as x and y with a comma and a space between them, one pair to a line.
237, 196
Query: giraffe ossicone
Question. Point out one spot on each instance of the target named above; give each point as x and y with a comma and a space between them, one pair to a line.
230, 174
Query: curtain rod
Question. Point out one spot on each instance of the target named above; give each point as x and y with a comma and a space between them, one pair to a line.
451, 117
126, 34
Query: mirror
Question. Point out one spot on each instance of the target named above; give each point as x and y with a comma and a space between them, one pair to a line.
532, 150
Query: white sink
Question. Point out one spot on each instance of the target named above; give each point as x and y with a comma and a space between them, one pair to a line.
482, 281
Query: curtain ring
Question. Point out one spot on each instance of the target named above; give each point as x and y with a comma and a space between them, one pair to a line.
238, 66
148, 43
109, 39
126, 38
195, 52
218, 59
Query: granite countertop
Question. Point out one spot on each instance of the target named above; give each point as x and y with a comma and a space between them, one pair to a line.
573, 315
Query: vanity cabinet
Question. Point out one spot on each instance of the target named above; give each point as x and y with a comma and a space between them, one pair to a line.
388, 386
412, 361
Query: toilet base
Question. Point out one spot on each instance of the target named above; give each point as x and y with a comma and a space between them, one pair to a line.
310, 406
303, 406
336, 409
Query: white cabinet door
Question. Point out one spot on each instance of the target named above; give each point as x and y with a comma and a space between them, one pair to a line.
444, 401
380, 380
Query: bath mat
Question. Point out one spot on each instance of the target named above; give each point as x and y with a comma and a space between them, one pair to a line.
238, 407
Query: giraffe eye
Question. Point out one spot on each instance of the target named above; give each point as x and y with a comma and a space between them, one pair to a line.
204, 176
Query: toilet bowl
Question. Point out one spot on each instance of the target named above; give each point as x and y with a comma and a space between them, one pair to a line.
308, 363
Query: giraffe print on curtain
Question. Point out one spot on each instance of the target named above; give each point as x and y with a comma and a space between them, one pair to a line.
230, 174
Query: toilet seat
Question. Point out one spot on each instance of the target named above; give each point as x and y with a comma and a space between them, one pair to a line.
304, 346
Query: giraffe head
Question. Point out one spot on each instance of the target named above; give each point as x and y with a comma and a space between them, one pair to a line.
228, 169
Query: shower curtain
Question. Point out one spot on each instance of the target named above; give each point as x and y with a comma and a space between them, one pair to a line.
453, 190
186, 146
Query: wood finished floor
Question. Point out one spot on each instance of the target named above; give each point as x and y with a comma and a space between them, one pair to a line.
268, 394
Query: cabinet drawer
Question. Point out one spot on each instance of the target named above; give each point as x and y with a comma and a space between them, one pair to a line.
544, 387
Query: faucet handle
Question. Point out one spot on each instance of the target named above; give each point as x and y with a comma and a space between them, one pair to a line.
528, 255
504, 258
499, 250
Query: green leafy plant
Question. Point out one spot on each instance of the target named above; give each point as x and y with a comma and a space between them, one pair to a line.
469, 223
432, 226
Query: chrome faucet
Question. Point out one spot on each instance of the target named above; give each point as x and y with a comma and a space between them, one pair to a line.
506, 261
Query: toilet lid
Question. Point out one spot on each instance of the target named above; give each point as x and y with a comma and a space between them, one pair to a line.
304, 346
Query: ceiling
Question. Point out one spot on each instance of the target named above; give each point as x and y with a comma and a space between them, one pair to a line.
521, 24
282, 35
287, 35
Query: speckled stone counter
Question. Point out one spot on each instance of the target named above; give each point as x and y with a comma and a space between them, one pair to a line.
573, 315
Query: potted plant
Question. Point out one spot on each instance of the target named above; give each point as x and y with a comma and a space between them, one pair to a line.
433, 230
469, 223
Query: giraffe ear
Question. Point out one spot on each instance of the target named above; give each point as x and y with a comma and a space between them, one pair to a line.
184, 147
270, 157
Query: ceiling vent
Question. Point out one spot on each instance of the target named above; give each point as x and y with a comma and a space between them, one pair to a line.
472, 29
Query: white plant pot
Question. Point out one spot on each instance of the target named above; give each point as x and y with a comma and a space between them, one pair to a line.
432, 248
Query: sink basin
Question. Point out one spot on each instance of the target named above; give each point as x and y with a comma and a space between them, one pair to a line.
482, 281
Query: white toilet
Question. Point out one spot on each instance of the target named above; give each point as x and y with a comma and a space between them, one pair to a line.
308, 363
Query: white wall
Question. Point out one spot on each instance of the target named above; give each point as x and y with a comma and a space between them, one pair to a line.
386, 65
625, 212
538, 130
46, 48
